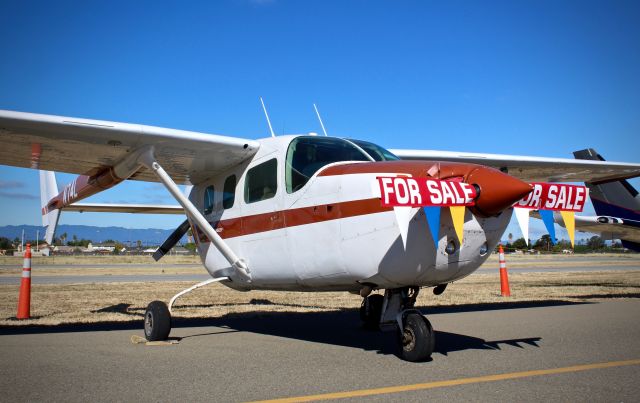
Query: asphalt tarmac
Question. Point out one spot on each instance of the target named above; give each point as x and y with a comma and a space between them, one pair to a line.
503, 352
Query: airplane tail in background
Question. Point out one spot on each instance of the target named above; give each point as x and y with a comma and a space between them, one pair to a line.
614, 199
48, 190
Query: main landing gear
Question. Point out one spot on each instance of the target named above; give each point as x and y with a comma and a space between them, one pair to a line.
395, 312
157, 321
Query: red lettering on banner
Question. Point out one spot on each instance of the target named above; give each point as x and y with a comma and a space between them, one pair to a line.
556, 196
416, 192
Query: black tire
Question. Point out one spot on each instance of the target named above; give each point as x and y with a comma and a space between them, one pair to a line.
157, 321
371, 310
417, 339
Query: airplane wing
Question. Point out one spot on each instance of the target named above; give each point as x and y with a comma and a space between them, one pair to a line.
534, 169
85, 147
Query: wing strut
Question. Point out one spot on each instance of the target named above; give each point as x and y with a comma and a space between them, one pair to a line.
149, 160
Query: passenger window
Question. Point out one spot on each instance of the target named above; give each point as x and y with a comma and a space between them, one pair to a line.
306, 155
229, 192
208, 200
261, 182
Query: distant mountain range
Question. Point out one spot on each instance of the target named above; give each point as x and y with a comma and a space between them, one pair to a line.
148, 236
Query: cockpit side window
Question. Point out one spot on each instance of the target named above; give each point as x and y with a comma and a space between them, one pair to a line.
229, 192
307, 154
261, 182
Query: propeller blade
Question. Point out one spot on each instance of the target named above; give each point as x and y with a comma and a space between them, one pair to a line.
173, 239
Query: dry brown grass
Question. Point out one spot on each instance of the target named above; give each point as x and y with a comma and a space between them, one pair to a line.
118, 302
105, 271
101, 265
140, 265
559, 260
104, 259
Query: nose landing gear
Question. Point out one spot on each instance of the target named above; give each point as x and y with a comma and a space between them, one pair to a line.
416, 339
371, 311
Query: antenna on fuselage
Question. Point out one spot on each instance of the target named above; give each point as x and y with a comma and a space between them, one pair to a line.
267, 116
320, 119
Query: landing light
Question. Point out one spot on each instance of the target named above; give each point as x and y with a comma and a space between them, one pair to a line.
451, 248
483, 249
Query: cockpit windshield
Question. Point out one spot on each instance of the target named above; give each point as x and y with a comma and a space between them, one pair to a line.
375, 151
307, 154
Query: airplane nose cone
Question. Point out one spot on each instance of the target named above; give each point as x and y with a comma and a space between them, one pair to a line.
498, 190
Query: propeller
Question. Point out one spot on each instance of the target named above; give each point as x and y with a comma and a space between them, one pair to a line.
173, 239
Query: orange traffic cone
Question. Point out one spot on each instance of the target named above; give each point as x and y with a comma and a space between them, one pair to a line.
24, 300
504, 277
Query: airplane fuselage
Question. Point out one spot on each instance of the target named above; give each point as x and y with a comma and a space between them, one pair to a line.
332, 233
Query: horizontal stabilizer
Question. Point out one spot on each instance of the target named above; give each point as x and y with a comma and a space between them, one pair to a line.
125, 208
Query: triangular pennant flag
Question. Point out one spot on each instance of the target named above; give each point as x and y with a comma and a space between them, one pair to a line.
547, 218
403, 216
433, 219
457, 216
522, 216
569, 218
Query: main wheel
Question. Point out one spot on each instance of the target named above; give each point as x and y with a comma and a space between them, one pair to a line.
371, 310
157, 321
416, 339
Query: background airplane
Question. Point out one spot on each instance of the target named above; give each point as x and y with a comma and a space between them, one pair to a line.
617, 205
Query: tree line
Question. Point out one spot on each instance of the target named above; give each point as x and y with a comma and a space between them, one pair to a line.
543, 244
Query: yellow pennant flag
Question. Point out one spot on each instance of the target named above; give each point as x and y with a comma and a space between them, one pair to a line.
569, 218
457, 216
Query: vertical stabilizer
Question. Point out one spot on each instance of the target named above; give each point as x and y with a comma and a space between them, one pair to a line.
48, 190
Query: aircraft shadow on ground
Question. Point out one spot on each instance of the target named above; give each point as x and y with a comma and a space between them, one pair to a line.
341, 328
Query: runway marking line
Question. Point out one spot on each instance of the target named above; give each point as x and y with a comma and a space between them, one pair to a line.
452, 382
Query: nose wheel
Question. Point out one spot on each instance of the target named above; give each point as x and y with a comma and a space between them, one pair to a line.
416, 341
157, 321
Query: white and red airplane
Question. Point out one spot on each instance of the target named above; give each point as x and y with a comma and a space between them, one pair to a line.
302, 213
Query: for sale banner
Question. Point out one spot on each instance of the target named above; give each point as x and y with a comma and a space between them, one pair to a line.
403, 191
555, 197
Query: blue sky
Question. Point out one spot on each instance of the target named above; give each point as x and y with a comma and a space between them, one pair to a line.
518, 77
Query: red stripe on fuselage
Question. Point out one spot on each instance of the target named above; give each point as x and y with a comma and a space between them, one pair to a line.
257, 223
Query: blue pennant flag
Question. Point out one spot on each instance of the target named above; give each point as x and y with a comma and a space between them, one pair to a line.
547, 218
433, 219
